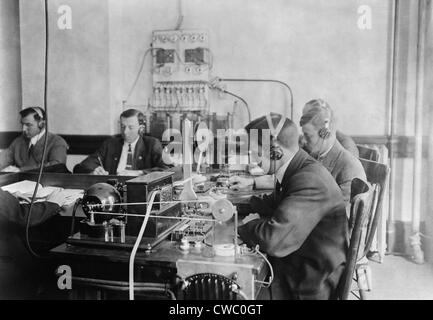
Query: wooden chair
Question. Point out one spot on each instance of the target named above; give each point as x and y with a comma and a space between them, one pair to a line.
377, 175
361, 194
368, 152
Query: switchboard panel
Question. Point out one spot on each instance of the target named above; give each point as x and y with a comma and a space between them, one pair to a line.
181, 65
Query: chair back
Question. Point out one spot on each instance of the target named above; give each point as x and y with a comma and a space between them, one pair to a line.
377, 175
360, 200
368, 152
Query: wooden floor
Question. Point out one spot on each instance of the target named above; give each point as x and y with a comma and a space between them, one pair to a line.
398, 278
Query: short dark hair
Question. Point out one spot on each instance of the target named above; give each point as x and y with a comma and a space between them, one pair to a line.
288, 136
131, 113
38, 113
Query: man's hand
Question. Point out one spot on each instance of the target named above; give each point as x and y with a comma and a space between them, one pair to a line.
22, 197
99, 171
250, 217
237, 183
11, 169
133, 173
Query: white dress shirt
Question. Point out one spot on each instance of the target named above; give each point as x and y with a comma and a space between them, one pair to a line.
124, 156
282, 170
36, 138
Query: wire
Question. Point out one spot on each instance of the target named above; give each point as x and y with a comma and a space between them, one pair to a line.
180, 17
214, 87
267, 80
136, 244
139, 73
240, 98
266, 284
41, 167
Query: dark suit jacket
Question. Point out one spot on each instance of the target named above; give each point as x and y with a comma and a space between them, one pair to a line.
303, 229
147, 155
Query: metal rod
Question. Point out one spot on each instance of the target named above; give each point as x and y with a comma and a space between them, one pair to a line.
90, 206
235, 236
151, 216
418, 255
267, 80
390, 227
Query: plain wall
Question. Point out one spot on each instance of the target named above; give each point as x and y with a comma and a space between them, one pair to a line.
10, 71
314, 46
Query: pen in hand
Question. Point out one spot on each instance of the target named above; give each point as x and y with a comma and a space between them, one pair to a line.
100, 162
100, 170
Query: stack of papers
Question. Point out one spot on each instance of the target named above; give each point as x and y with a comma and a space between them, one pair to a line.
25, 188
24, 191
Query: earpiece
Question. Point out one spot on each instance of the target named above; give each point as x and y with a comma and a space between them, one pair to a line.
276, 153
39, 112
41, 124
325, 132
142, 124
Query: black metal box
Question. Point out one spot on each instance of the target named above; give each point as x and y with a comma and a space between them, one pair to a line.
138, 190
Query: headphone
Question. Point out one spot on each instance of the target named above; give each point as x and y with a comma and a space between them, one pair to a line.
142, 123
325, 132
40, 113
276, 152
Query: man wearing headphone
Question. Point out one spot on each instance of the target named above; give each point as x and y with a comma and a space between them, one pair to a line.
25, 152
346, 141
322, 144
302, 225
130, 153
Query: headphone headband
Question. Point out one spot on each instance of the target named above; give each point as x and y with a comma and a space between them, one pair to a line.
275, 131
38, 112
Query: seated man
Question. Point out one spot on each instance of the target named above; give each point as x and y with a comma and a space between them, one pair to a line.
302, 224
21, 274
322, 144
346, 141
127, 154
25, 152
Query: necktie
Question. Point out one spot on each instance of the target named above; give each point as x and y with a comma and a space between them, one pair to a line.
29, 152
129, 158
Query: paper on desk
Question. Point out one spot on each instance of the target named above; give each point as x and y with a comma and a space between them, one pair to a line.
24, 190
25, 187
71, 195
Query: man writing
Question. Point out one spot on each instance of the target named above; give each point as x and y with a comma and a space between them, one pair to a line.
302, 225
130, 153
25, 152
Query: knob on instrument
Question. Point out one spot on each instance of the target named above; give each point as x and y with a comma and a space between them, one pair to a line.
222, 210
